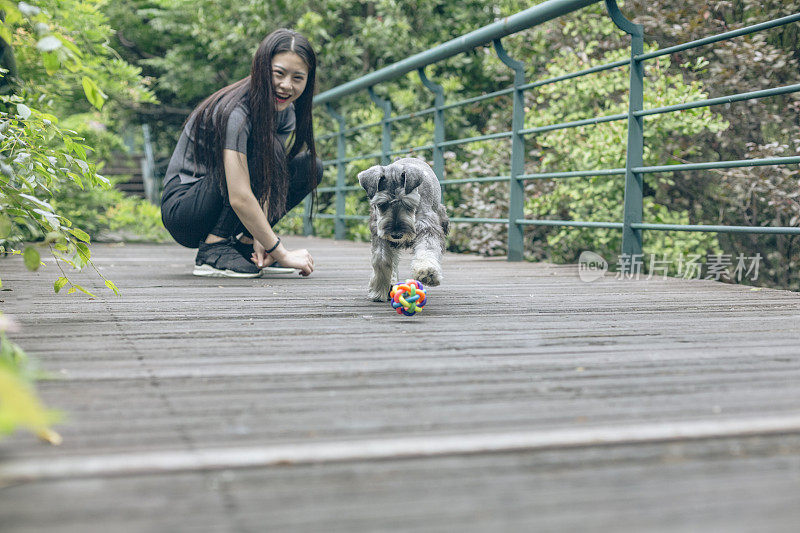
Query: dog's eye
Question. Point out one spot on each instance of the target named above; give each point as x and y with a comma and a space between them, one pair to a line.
383, 205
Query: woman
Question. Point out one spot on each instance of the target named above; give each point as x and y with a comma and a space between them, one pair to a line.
230, 174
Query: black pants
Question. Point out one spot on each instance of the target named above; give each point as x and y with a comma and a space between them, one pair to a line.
192, 211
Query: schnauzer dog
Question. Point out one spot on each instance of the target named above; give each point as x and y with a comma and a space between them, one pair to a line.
405, 212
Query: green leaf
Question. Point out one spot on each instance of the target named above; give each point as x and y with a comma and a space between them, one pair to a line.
69, 44
5, 226
51, 62
73, 64
19, 406
59, 284
83, 290
83, 251
31, 258
110, 285
93, 93
5, 33
79, 233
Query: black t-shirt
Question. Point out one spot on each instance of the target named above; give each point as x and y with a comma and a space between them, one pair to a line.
182, 163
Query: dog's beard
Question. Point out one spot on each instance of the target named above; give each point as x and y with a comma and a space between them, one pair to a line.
397, 228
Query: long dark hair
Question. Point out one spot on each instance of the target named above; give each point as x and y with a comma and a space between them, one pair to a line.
269, 177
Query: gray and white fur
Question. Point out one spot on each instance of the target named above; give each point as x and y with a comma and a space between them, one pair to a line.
405, 212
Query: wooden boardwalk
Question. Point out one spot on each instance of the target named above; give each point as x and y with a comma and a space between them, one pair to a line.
520, 399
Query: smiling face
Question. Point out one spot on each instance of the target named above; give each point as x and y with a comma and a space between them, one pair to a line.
289, 77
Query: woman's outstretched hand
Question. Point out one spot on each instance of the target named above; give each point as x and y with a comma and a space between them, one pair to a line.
299, 259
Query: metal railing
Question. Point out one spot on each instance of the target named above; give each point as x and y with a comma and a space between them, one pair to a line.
632, 224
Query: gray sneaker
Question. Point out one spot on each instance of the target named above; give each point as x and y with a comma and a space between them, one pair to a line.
223, 260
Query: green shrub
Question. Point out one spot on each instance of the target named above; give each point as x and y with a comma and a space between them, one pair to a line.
111, 215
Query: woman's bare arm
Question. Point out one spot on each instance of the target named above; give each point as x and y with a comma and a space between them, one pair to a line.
247, 208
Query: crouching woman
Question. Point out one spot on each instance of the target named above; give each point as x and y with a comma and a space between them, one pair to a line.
232, 177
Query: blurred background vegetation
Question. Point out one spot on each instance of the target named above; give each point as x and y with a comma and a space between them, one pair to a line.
187, 49
82, 77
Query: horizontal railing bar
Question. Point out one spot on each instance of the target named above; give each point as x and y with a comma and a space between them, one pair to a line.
370, 156
721, 100
355, 129
409, 150
528, 222
415, 114
720, 164
721, 37
498, 135
546, 175
781, 230
621, 171
719, 229
424, 147
348, 131
530, 17
569, 223
539, 129
574, 124
576, 74
334, 189
349, 159
478, 98
476, 180
479, 220
574, 174
342, 217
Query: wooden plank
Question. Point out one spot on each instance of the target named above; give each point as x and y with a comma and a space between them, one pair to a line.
161, 462
719, 485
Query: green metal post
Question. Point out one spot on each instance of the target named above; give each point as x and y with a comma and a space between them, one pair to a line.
339, 228
517, 186
308, 226
632, 213
151, 186
438, 123
386, 126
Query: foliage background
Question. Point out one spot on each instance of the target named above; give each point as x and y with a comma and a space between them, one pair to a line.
188, 49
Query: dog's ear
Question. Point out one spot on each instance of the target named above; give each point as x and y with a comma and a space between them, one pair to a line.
370, 179
411, 180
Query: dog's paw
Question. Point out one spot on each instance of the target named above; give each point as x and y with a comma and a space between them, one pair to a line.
378, 295
427, 275
378, 292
